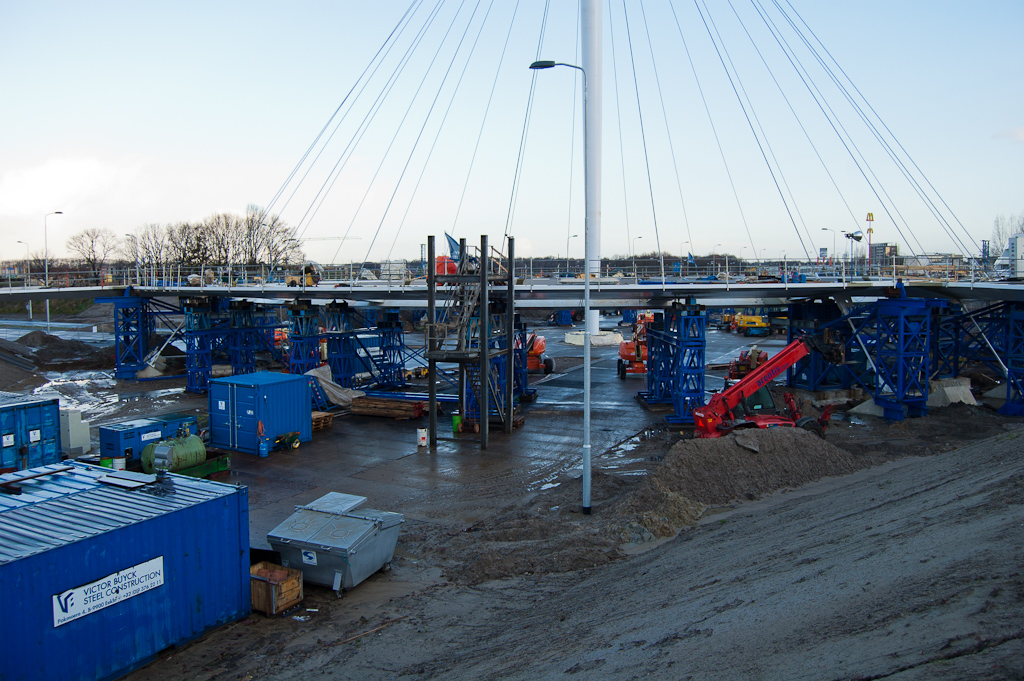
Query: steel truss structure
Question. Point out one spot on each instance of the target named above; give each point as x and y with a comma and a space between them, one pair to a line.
471, 331
676, 344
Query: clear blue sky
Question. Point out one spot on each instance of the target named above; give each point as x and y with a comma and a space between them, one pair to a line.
122, 114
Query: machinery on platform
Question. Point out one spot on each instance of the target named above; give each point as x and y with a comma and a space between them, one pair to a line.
750, 325
537, 360
749, 403
633, 352
746, 362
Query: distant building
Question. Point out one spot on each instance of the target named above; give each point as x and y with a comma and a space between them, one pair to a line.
881, 254
1011, 262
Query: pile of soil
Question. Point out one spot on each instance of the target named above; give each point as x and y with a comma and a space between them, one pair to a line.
725, 469
548, 534
53, 352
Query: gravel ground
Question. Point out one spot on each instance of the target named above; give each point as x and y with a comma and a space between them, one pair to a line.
912, 569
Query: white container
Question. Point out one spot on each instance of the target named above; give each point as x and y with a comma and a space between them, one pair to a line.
118, 463
421, 437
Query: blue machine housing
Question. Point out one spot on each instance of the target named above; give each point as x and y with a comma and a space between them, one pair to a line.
246, 408
29, 432
117, 438
106, 577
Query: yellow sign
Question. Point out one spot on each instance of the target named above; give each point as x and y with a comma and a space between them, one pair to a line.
871, 217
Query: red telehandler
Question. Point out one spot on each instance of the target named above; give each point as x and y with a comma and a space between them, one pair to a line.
749, 404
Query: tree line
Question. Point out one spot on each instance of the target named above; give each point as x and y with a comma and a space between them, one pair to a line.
220, 239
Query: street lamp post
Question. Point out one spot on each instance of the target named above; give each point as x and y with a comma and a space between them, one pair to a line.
567, 254
586, 284
681, 261
46, 264
634, 256
28, 275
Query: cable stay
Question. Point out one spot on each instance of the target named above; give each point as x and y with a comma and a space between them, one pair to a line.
747, 114
886, 127
378, 58
444, 119
711, 122
618, 120
516, 178
668, 131
643, 137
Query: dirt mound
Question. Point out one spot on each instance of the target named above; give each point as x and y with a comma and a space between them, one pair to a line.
720, 470
547, 533
36, 339
53, 352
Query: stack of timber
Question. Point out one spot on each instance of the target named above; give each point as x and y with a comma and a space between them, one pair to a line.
395, 409
322, 419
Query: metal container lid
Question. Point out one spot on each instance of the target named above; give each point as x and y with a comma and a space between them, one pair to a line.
326, 530
335, 502
300, 526
386, 519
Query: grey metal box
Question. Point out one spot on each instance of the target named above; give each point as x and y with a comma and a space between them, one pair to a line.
334, 545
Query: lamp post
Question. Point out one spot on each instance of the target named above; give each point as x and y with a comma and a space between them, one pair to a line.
28, 275
567, 253
634, 256
587, 326
46, 264
714, 260
682, 254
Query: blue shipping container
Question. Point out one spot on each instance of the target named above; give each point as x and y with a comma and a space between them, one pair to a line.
30, 432
101, 577
244, 408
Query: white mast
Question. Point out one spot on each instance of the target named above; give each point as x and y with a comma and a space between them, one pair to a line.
590, 14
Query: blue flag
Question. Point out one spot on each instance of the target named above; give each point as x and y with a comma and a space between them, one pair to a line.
453, 247
691, 260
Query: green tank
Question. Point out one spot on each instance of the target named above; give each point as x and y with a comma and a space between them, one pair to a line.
173, 455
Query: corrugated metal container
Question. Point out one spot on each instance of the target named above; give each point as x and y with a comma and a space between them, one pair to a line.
335, 545
117, 438
246, 406
30, 432
102, 570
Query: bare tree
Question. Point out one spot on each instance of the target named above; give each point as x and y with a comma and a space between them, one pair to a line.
152, 240
93, 246
267, 238
187, 244
1003, 228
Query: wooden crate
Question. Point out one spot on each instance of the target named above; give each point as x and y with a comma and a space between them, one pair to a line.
274, 588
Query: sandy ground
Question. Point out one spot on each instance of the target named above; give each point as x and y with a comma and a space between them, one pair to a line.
910, 569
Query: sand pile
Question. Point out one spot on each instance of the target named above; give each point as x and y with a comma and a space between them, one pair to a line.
547, 533
724, 469
55, 352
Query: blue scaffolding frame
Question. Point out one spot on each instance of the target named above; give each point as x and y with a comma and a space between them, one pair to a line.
676, 348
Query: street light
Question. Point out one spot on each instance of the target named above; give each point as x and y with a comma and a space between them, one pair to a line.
28, 275
538, 65
46, 264
567, 253
634, 255
681, 261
